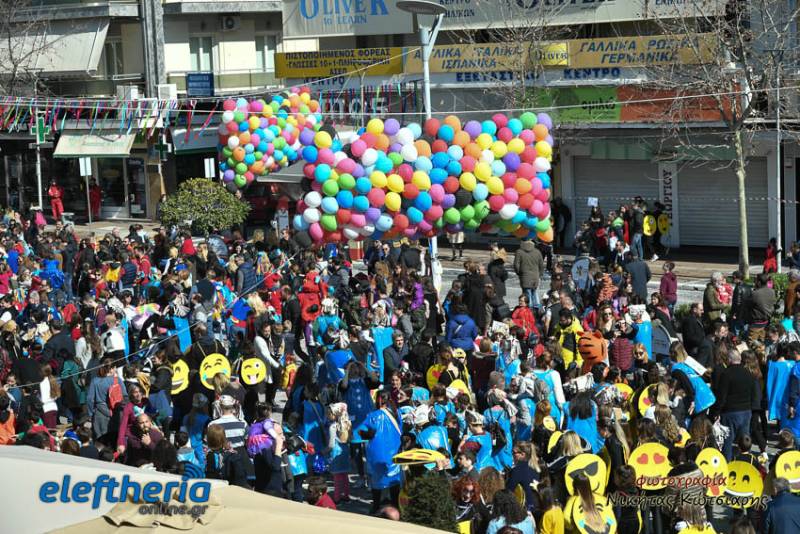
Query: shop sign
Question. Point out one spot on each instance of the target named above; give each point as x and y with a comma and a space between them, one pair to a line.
324, 63
641, 51
324, 18
199, 84
490, 57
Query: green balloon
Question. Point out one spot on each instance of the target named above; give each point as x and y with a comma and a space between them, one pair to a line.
467, 212
241, 168
281, 123
238, 116
542, 225
227, 152
505, 225
304, 109
240, 180
232, 163
482, 209
452, 216
472, 224
258, 155
439, 223
275, 106
328, 222
346, 181
279, 142
396, 158
528, 120
330, 188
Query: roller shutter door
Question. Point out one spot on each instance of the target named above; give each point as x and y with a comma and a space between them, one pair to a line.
708, 209
613, 182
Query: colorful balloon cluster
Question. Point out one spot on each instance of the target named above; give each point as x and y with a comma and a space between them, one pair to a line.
415, 181
256, 137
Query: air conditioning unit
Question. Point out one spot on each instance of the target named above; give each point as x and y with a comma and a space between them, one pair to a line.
228, 23
167, 91
128, 92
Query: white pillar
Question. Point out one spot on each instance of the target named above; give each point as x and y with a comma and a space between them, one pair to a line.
790, 195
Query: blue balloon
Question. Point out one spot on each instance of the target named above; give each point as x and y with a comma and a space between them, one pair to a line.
446, 133
498, 168
336, 145
416, 129
363, 185
241, 103
519, 217
278, 155
455, 152
423, 163
438, 176
440, 160
344, 199
384, 223
269, 135
532, 222
545, 178
360, 203
329, 205
300, 223
249, 159
244, 126
282, 113
515, 125
454, 168
278, 98
489, 127
322, 172
384, 164
481, 192
263, 146
414, 215
248, 148
423, 201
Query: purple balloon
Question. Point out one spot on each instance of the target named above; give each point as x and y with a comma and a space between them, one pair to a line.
473, 128
395, 147
228, 175
544, 118
372, 214
454, 228
448, 201
358, 172
263, 123
391, 126
307, 137
550, 140
511, 161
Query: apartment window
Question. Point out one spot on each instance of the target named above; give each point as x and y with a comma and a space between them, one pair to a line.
265, 52
112, 62
200, 51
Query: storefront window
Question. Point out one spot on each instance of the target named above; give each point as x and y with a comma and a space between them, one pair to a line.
137, 188
111, 174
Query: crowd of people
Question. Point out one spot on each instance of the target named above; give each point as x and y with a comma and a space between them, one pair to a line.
289, 370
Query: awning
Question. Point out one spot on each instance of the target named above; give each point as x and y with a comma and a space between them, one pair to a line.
205, 141
284, 176
82, 144
60, 47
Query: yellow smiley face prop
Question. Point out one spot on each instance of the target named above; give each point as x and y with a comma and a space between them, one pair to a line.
651, 463
625, 390
684, 439
549, 423
644, 398
745, 484
180, 376
575, 516
418, 456
708, 529
650, 225
253, 371
552, 443
713, 465
663, 223
210, 366
788, 466
592, 466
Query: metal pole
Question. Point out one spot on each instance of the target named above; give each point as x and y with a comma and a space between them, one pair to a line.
778, 164
39, 176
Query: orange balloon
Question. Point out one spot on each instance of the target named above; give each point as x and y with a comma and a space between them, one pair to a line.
257, 167
453, 122
461, 138
238, 153
522, 231
540, 131
472, 149
546, 236
244, 138
423, 148
382, 142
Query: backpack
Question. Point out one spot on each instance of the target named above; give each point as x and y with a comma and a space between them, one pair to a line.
499, 440
114, 393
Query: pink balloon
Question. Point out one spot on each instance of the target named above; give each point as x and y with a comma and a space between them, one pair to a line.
301, 206
437, 193
536, 187
509, 179
425, 226
405, 171
376, 197
315, 231
500, 120
434, 213
358, 147
326, 156
347, 165
496, 202
545, 213
526, 170
544, 196
505, 135
229, 105
527, 136
411, 231
537, 207
467, 164
511, 195
358, 220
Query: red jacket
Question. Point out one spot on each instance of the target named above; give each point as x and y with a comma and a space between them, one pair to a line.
523, 317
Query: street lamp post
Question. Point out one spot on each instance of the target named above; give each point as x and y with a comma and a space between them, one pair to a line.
429, 19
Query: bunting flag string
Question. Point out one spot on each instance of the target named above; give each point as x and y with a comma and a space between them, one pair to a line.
189, 116
205, 123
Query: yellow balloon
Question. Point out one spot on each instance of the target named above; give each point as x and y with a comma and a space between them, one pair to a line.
483, 171
421, 180
323, 139
543, 149
395, 183
267, 112
378, 179
484, 141
305, 98
253, 123
495, 185
375, 126
499, 149
393, 201
468, 181
516, 145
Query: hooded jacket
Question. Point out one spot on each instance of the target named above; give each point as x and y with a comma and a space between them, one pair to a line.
461, 332
528, 264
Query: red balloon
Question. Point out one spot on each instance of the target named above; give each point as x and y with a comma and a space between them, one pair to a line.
369, 139
467, 164
509, 179
525, 201
434, 213
451, 184
343, 216
496, 202
500, 120
400, 222
438, 146
334, 237
405, 171
526, 170
410, 191
308, 170
505, 135
432, 127
528, 155
301, 206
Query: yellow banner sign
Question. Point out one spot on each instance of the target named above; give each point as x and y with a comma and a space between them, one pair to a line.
641, 51
490, 57
383, 61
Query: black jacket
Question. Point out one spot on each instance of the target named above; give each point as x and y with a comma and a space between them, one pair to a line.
497, 272
736, 390
693, 333
57, 345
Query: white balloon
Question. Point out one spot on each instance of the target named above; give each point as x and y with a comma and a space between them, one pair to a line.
409, 153
487, 156
233, 142
541, 164
405, 136
367, 230
369, 157
311, 120
350, 232
227, 117
311, 215
313, 199
338, 157
508, 211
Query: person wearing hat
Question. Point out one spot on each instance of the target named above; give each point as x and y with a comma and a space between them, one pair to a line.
235, 429
497, 270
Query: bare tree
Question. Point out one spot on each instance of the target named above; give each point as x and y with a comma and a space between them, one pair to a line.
23, 39
728, 57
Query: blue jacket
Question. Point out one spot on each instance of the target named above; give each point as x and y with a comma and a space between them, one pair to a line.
783, 514
461, 332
